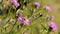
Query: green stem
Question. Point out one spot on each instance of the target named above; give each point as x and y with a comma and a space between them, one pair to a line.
43, 26
34, 14
48, 32
13, 26
9, 12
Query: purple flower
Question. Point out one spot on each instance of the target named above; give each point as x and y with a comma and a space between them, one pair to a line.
23, 20
0, 20
52, 25
48, 8
14, 3
20, 19
19, 14
37, 4
27, 22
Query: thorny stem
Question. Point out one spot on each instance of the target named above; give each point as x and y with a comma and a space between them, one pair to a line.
43, 26
13, 26
8, 14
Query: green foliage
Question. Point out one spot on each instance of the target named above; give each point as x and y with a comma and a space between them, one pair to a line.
38, 23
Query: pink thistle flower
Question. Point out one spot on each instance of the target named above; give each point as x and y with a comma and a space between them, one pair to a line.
19, 14
52, 25
23, 20
37, 4
0, 20
20, 19
48, 8
14, 3
26, 22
